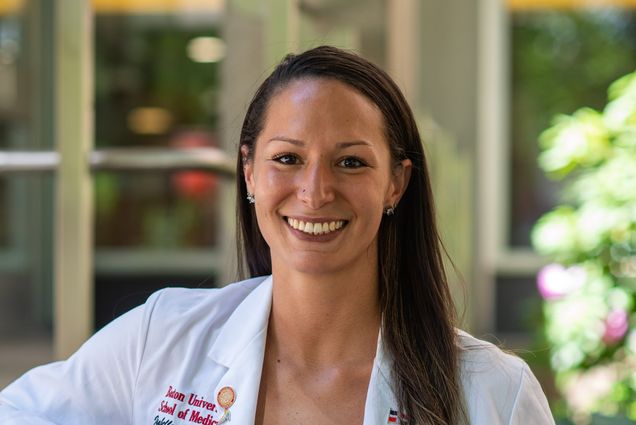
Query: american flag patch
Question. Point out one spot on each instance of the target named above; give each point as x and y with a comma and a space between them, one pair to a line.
397, 418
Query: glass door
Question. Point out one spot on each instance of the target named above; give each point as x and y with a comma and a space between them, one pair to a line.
26, 198
112, 170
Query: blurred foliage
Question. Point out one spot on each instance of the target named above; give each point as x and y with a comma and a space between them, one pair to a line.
590, 289
560, 60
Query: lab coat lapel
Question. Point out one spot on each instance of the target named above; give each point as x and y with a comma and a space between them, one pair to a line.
240, 347
381, 406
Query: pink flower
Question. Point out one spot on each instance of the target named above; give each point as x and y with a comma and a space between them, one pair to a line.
616, 325
555, 281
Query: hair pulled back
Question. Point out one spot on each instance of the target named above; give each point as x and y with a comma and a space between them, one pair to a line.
418, 317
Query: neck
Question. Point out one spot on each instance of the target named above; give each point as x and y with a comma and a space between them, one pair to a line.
320, 319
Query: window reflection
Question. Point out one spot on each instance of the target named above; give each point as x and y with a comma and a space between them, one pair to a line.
157, 210
4, 216
157, 85
12, 109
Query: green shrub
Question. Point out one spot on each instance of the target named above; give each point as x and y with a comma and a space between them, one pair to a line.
590, 288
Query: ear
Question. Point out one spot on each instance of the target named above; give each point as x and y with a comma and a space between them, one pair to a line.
248, 169
399, 181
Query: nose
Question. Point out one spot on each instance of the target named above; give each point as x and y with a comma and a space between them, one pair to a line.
316, 186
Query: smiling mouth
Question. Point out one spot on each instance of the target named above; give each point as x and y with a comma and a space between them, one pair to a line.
310, 228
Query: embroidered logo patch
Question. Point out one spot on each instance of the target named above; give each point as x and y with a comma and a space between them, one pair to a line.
226, 398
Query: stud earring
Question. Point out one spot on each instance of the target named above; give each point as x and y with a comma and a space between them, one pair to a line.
389, 211
250, 198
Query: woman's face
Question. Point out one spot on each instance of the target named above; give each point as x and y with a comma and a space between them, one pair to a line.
322, 174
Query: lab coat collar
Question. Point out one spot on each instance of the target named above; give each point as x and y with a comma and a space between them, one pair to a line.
381, 403
240, 347
245, 325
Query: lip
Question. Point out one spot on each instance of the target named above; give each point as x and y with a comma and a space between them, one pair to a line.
325, 237
314, 219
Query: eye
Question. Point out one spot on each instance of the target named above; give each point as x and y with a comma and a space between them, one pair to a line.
351, 162
286, 159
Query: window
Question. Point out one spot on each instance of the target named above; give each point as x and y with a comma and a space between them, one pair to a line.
25, 200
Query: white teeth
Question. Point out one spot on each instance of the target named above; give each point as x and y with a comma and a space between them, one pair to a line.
315, 228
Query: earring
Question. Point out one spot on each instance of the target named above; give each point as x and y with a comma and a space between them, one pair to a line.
250, 198
389, 211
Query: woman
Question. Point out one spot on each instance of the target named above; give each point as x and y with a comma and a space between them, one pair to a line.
355, 323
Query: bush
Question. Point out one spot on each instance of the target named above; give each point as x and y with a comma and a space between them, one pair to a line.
590, 288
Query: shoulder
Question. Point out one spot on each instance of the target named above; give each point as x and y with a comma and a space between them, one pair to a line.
498, 386
183, 323
178, 307
185, 300
479, 359
121, 365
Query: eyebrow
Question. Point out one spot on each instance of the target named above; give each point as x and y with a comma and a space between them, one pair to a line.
340, 145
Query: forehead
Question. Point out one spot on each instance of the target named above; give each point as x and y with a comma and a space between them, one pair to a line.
327, 108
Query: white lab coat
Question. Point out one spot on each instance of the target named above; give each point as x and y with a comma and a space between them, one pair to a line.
165, 362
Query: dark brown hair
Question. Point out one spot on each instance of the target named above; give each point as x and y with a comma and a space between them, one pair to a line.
418, 317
